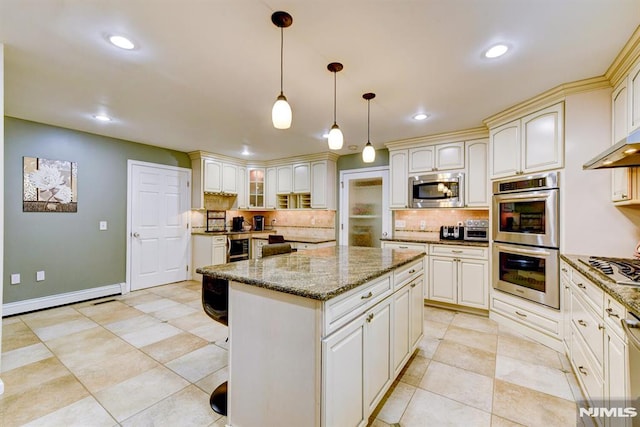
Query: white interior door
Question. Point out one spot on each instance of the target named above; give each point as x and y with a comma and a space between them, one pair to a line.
365, 216
159, 232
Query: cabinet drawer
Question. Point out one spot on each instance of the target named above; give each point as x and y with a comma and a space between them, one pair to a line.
460, 251
405, 245
219, 240
592, 294
407, 273
341, 309
527, 317
583, 362
591, 329
613, 312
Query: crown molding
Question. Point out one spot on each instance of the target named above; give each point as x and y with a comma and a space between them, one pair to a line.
628, 56
197, 155
461, 135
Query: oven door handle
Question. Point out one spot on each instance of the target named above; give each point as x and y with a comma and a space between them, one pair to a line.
536, 252
529, 196
628, 326
228, 246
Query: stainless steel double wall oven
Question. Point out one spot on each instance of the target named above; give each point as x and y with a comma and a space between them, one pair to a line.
526, 237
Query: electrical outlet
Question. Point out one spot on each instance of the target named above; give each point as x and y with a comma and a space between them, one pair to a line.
39, 276
313, 220
400, 223
15, 278
423, 224
103, 225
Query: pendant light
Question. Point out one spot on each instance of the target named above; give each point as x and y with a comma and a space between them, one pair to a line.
369, 153
335, 134
281, 112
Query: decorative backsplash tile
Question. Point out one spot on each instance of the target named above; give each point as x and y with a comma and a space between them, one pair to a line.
434, 218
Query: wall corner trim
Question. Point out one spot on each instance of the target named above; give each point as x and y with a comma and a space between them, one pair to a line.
19, 307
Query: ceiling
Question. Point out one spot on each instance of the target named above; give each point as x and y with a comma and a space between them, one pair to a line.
205, 73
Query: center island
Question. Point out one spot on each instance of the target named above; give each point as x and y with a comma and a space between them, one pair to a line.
316, 337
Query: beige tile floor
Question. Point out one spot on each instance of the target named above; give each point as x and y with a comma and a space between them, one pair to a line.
152, 357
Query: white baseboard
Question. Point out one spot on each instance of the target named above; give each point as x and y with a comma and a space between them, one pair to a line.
60, 299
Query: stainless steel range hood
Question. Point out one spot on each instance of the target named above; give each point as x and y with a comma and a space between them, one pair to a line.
623, 154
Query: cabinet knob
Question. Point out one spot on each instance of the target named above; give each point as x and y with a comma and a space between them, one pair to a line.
623, 196
413, 285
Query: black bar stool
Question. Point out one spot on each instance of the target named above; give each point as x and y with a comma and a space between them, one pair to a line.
215, 301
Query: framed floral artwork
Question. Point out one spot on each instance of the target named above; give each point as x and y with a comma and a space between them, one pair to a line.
49, 185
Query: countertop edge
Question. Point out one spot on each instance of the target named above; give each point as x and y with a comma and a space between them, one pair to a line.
607, 285
437, 242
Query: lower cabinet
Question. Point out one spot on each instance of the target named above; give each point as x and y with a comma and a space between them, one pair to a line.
207, 250
408, 306
459, 275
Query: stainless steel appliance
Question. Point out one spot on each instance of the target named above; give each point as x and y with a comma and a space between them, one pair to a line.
237, 247
451, 232
526, 218
621, 270
443, 190
476, 230
526, 210
623, 154
527, 271
216, 221
258, 222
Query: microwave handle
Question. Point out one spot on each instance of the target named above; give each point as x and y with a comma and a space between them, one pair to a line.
536, 252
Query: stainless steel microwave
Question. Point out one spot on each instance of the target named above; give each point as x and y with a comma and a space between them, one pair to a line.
442, 190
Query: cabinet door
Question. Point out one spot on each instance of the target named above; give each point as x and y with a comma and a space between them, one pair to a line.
566, 314
422, 159
284, 179
442, 279
219, 254
342, 376
242, 200
319, 185
543, 139
301, 178
477, 179
399, 179
256, 187
212, 176
449, 156
271, 179
505, 150
615, 376
377, 354
473, 288
620, 177
229, 178
416, 313
634, 99
401, 337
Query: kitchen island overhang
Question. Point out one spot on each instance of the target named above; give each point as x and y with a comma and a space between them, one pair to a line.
317, 337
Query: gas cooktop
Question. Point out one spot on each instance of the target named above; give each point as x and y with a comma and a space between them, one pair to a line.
622, 270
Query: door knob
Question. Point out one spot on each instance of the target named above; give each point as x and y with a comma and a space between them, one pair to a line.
136, 235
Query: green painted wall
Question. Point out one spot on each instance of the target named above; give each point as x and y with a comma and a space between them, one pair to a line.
354, 161
71, 250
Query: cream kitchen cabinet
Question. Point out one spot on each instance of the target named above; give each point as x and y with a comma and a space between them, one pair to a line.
532, 143
634, 98
270, 190
207, 250
294, 178
620, 177
439, 157
242, 201
399, 177
256, 187
477, 177
408, 306
323, 184
459, 275
220, 177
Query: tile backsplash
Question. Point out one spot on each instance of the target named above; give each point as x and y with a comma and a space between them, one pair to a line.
433, 218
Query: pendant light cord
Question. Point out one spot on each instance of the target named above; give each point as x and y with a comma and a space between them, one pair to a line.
368, 119
334, 97
281, 59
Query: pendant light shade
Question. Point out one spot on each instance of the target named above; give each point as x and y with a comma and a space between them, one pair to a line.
336, 139
368, 153
281, 112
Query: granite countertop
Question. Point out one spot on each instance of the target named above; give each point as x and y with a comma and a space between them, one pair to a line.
300, 239
629, 296
319, 274
227, 233
436, 241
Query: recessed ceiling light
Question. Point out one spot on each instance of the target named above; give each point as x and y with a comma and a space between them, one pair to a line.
496, 51
102, 118
352, 147
421, 116
245, 151
122, 42
630, 150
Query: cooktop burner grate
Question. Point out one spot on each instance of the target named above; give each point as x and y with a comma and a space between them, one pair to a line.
629, 268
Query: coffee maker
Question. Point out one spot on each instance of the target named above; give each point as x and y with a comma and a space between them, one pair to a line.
237, 223
258, 222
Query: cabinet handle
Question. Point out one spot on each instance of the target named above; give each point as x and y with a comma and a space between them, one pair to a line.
582, 323
412, 271
369, 318
564, 269
611, 313
403, 247
520, 314
369, 295
582, 370
581, 286
413, 285
455, 251
600, 326
623, 196
566, 287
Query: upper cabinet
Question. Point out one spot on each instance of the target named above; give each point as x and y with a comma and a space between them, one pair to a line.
634, 98
294, 178
532, 143
477, 178
270, 188
323, 184
620, 177
398, 165
212, 177
243, 199
438, 157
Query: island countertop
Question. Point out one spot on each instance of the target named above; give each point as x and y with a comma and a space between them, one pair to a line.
319, 274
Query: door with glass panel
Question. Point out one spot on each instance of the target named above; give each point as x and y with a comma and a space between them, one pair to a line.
365, 217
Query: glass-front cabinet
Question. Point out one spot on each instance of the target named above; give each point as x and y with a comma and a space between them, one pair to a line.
256, 187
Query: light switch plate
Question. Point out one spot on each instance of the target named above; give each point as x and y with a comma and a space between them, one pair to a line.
103, 225
423, 224
15, 278
39, 276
